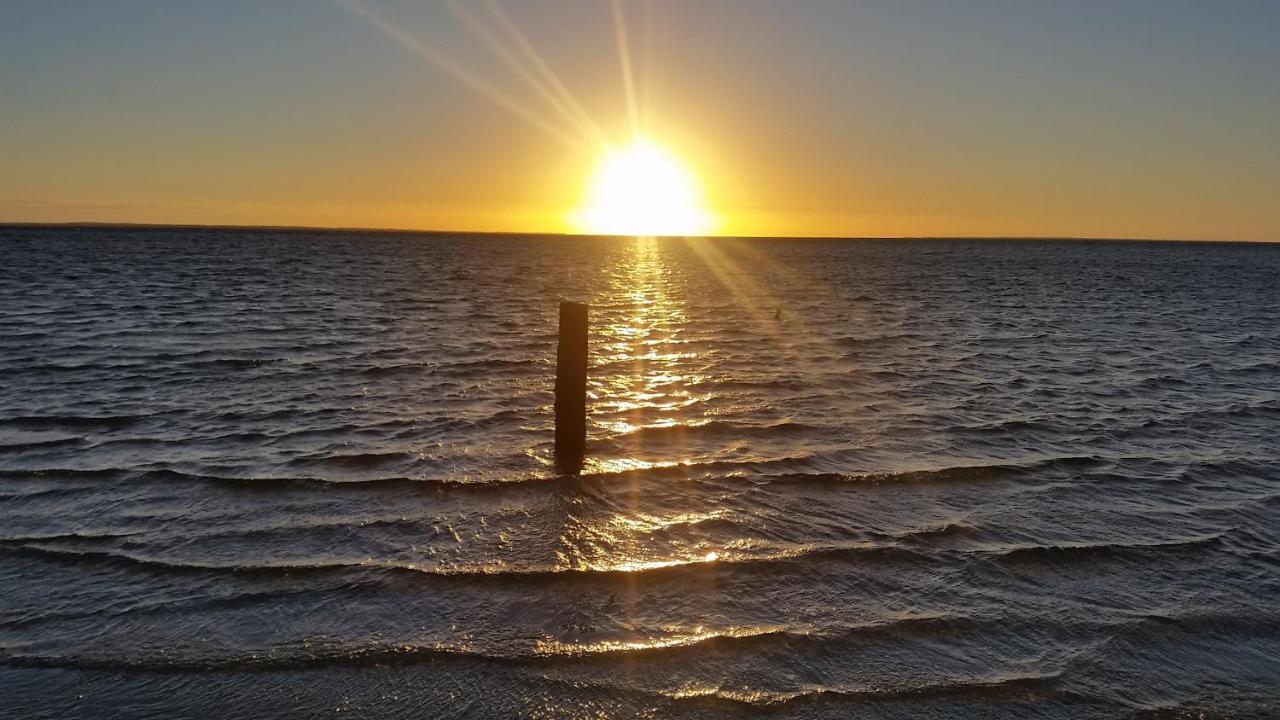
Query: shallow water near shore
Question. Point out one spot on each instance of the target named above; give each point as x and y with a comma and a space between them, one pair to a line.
282, 473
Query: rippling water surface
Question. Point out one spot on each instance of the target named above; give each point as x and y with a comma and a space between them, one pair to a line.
283, 474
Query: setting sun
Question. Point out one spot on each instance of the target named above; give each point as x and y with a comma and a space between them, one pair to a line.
642, 189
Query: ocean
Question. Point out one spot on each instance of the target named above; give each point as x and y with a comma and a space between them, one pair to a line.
277, 474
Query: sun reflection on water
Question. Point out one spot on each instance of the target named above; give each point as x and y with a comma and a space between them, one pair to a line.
639, 381
639, 384
670, 637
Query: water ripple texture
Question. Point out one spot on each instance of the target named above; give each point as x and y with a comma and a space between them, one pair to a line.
293, 473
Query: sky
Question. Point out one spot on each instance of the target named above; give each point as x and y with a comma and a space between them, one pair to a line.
804, 117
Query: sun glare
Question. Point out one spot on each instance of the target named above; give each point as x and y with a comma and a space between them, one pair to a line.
642, 189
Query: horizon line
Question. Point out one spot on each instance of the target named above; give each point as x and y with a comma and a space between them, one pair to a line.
91, 224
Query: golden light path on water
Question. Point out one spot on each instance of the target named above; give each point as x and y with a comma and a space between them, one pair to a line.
645, 377
637, 383
637, 337
658, 309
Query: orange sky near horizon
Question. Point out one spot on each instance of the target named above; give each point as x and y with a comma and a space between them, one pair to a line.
814, 118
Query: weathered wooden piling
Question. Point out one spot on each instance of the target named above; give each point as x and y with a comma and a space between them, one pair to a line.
571, 387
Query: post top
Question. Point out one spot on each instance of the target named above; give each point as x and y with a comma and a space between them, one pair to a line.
573, 310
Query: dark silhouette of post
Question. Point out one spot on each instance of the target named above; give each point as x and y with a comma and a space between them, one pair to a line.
571, 387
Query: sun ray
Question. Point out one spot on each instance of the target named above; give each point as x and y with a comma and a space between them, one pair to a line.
544, 69
570, 113
460, 73
761, 305
737, 283
624, 60
646, 66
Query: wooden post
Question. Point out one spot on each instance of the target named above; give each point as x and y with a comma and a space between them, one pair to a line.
571, 387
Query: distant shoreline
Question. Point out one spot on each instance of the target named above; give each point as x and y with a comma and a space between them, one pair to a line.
91, 225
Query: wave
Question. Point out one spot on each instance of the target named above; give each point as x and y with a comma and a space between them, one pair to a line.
86, 422
1198, 622
1204, 417
125, 559
1265, 368
67, 537
884, 339
44, 493
627, 649
152, 364
399, 368
1092, 551
954, 473
1188, 712
931, 532
435, 367
16, 447
77, 368
1024, 687
280, 482
769, 561
1007, 426
712, 429
669, 647
762, 560
234, 363
722, 385
757, 472
159, 606
357, 461
380, 655
1161, 382
64, 473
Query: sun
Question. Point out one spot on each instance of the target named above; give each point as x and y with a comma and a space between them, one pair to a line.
642, 189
